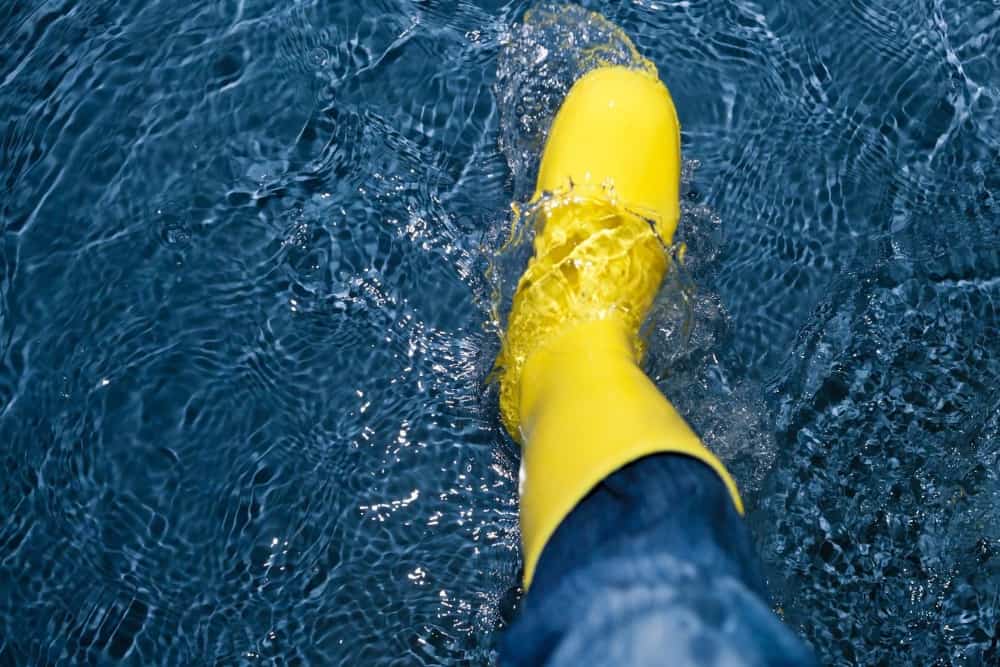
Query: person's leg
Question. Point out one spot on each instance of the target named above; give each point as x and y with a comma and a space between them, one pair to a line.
633, 547
654, 566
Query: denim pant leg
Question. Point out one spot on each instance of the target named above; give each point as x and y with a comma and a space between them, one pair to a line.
653, 567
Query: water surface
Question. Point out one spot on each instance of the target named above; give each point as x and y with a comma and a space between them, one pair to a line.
245, 328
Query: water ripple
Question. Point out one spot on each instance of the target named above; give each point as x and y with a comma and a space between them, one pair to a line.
245, 328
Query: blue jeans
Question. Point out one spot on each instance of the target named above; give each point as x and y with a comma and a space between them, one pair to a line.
653, 567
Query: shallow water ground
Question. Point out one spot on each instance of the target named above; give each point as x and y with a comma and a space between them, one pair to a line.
242, 341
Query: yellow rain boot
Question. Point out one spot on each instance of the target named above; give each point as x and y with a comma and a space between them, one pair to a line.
571, 388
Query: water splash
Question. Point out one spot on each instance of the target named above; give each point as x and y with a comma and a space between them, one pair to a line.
687, 329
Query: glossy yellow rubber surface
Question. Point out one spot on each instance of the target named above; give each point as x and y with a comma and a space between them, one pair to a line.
589, 410
571, 389
608, 187
617, 136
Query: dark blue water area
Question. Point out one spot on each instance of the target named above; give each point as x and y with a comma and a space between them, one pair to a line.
245, 330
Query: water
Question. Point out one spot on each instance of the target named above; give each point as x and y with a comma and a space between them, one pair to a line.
245, 328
